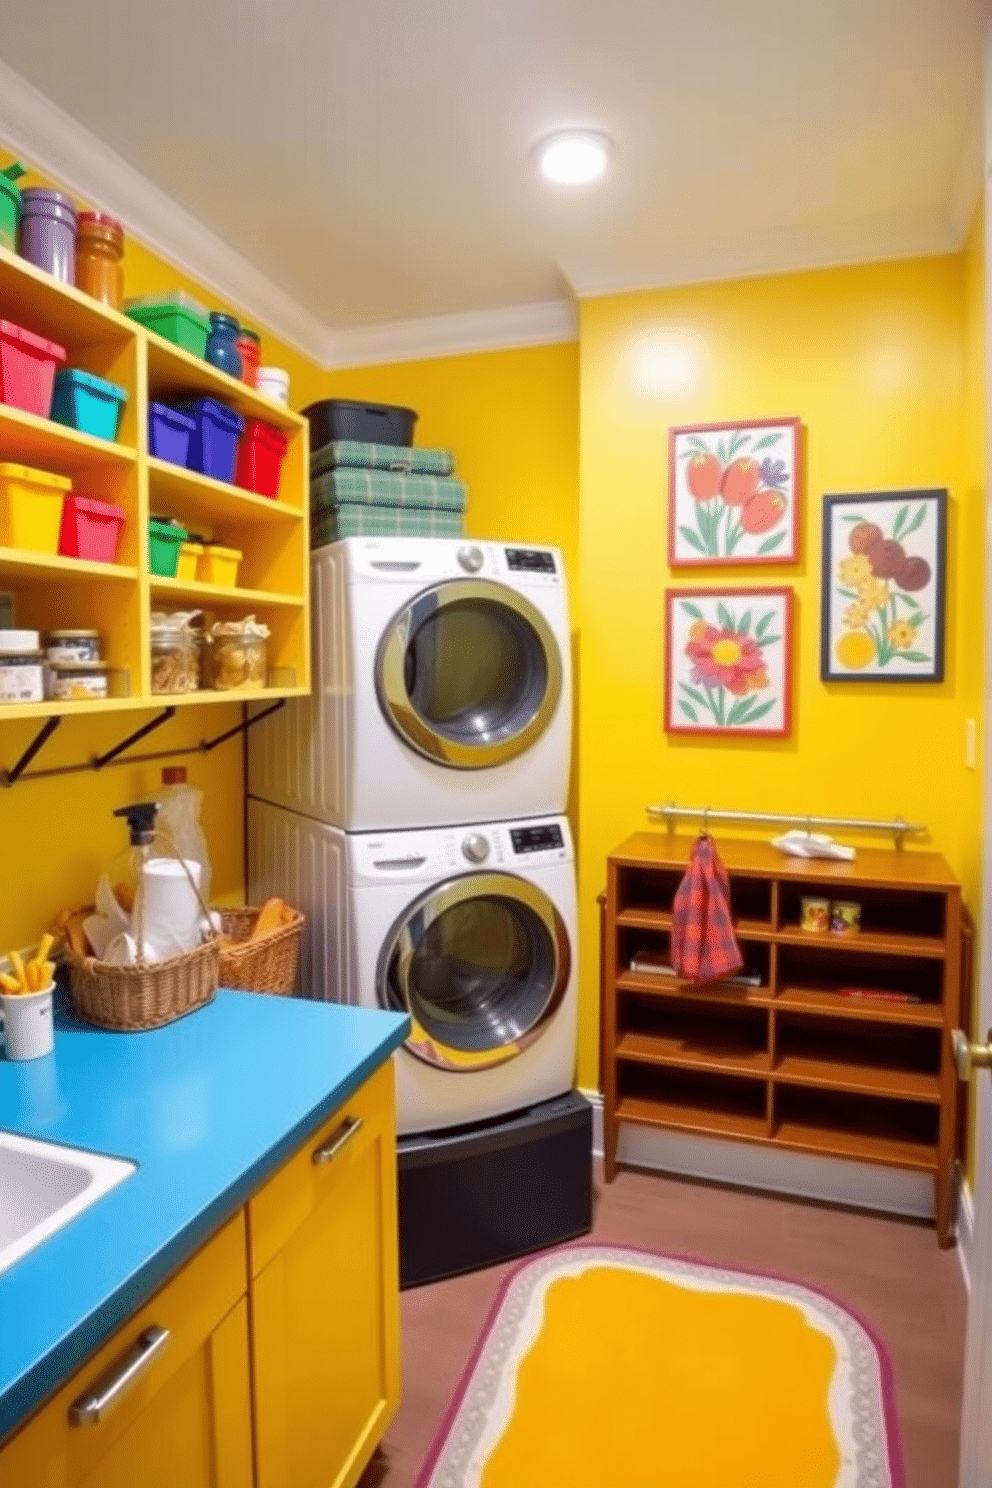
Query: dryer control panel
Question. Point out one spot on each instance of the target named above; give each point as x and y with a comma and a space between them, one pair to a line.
536, 839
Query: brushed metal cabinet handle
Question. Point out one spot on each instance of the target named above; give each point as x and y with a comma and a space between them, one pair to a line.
91, 1407
349, 1128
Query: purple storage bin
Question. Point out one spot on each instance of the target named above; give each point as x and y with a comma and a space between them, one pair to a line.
169, 433
213, 443
47, 232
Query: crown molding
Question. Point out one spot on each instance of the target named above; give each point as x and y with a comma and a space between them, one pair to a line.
58, 146
454, 335
966, 188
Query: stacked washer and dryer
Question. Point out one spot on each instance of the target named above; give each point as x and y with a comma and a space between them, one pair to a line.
412, 807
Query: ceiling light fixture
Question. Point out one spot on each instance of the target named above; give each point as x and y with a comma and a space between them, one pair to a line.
573, 157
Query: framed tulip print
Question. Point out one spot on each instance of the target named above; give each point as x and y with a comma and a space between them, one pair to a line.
734, 493
728, 661
883, 587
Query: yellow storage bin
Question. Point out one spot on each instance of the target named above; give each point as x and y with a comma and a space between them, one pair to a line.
217, 565
31, 508
190, 554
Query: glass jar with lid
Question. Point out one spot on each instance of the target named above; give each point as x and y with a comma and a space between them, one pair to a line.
176, 648
21, 667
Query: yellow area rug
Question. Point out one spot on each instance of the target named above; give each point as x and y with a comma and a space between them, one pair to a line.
604, 1367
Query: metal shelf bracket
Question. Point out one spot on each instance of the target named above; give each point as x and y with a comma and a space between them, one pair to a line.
9, 777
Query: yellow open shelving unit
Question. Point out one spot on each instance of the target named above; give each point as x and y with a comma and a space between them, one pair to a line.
51, 592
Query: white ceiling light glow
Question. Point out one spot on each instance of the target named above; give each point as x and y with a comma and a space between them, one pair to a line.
573, 157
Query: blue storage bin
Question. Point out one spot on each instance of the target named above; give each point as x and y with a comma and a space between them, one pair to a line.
88, 403
213, 443
169, 433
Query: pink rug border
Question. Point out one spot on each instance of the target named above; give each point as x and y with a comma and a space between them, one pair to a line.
885, 1363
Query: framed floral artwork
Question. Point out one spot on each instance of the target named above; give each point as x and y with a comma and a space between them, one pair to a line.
734, 493
883, 587
728, 661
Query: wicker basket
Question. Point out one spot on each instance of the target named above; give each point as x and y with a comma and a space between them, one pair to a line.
135, 997
265, 965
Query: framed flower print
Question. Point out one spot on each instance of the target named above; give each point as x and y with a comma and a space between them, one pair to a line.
734, 493
728, 661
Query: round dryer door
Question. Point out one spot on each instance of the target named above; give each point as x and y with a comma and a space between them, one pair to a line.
469, 674
481, 963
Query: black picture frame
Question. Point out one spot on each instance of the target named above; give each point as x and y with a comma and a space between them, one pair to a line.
894, 515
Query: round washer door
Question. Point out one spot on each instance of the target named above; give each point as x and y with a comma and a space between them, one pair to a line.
481, 963
469, 674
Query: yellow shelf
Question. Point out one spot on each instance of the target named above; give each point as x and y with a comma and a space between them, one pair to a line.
211, 695
220, 593
173, 371
176, 491
40, 303
10, 712
26, 439
22, 563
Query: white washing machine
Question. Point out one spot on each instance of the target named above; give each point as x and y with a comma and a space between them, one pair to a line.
472, 931
441, 688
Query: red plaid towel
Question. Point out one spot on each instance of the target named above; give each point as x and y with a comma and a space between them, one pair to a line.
703, 941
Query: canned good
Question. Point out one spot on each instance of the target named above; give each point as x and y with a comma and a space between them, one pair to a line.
845, 917
21, 670
73, 645
74, 680
815, 915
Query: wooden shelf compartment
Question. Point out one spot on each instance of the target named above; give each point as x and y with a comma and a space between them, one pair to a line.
865, 942
718, 1036
223, 596
841, 1054
173, 372
648, 984
656, 919
714, 1104
644, 894
813, 964
886, 915
213, 695
18, 564
198, 500
634, 941
831, 1005
287, 648
26, 439
894, 1132
61, 313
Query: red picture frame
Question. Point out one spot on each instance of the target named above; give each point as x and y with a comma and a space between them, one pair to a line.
735, 490
729, 662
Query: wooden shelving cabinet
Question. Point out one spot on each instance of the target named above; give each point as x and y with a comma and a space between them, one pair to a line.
51, 592
791, 1062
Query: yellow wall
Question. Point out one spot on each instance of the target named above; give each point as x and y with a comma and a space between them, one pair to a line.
58, 833
871, 359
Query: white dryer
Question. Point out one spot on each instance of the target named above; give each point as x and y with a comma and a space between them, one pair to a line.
441, 688
471, 931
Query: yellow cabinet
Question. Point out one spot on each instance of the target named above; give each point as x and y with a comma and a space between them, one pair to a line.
325, 1299
166, 1401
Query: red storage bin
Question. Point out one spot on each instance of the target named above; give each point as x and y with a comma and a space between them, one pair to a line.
27, 369
260, 458
90, 529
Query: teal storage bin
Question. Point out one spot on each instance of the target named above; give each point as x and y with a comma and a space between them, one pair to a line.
88, 403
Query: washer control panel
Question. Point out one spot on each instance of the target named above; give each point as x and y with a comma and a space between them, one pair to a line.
475, 847
540, 838
530, 560
471, 559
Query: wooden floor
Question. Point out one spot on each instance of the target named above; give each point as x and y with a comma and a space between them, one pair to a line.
889, 1271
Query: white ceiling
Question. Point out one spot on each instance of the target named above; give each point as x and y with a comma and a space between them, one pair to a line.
372, 157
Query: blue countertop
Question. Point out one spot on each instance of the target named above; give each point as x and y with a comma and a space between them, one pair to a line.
208, 1108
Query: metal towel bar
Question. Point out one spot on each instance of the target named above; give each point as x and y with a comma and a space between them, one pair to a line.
899, 828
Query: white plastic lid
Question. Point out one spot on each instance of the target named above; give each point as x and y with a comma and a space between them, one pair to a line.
272, 374
13, 642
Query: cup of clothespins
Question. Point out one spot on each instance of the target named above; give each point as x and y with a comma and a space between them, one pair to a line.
26, 1004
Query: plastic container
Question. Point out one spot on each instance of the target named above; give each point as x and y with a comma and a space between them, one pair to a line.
213, 444
218, 565
371, 423
176, 647
222, 349
27, 369
88, 403
260, 456
177, 317
73, 645
164, 542
179, 820
189, 554
168, 433
31, 508
249, 343
74, 680
273, 382
90, 529
21, 667
47, 233
10, 204
237, 655
99, 258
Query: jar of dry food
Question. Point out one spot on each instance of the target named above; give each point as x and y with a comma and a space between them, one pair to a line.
238, 654
69, 680
21, 667
73, 645
176, 646
99, 258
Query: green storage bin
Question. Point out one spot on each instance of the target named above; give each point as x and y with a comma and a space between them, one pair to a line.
177, 317
10, 204
164, 542
333, 523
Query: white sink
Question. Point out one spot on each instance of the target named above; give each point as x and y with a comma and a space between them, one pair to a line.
43, 1186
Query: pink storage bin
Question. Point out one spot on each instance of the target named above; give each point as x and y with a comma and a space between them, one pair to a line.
90, 529
27, 369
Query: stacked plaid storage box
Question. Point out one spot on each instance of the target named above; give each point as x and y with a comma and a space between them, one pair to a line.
383, 490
